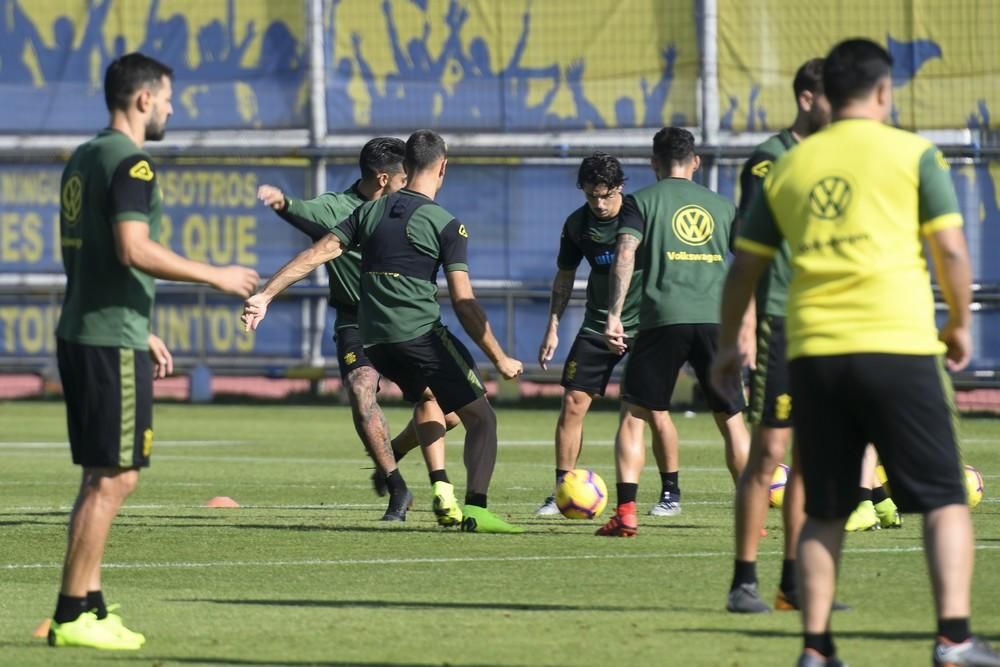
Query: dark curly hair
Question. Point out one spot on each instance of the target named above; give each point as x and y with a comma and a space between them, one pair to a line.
600, 168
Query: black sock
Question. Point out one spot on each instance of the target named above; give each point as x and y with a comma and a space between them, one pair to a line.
787, 575
879, 494
439, 476
95, 603
477, 499
559, 475
821, 643
69, 608
395, 482
669, 482
626, 492
864, 493
744, 572
398, 455
955, 630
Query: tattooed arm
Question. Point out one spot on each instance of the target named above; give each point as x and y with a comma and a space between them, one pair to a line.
621, 279
562, 291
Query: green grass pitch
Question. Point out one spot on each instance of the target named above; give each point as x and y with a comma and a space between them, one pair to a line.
305, 574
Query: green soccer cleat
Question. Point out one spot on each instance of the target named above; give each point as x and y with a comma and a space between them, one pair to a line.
863, 518
116, 621
445, 505
481, 520
888, 514
89, 632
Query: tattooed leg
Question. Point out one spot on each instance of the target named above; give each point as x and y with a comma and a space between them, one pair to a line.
369, 420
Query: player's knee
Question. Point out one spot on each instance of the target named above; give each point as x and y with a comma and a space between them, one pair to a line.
575, 404
478, 415
362, 384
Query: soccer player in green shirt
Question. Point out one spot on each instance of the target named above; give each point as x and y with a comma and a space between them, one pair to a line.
109, 222
381, 165
404, 239
770, 409
590, 232
685, 232
855, 203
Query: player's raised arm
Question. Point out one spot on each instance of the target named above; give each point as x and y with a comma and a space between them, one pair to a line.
255, 308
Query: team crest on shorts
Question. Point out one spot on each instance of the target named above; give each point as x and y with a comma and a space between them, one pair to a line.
350, 358
147, 442
571, 370
783, 406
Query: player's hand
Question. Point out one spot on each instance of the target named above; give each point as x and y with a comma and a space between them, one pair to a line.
614, 335
254, 310
163, 362
959, 341
509, 368
726, 369
273, 197
548, 348
237, 280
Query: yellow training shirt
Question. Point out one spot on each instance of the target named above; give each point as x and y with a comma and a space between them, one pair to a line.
853, 201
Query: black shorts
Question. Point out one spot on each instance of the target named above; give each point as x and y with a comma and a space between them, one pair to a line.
350, 351
770, 397
109, 404
902, 403
589, 364
436, 360
657, 358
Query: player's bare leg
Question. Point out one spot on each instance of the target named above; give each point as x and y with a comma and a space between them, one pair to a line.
666, 451
630, 458
949, 545
818, 559
101, 495
429, 426
737, 441
569, 440
767, 450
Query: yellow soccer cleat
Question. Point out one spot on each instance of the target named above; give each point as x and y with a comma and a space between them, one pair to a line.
863, 518
888, 514
116, 621
445, 505
89, 632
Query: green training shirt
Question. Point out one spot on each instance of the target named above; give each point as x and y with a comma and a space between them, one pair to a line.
325, 212
584, 236
106, 181
772, 290
685, 230
404, 238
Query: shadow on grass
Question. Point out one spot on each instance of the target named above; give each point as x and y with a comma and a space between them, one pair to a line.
423, 604
888, 635
164, 659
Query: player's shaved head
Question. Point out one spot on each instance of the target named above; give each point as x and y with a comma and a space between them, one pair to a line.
853, 69
130, 73
381, 155
424, 149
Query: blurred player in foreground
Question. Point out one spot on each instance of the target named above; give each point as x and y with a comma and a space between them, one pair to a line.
855, 203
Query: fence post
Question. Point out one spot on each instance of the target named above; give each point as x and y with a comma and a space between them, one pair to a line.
710, 86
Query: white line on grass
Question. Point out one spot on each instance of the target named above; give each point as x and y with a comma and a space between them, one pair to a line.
441, 560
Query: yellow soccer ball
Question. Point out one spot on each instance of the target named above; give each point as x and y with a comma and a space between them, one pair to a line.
582, 494
776, 492
973, 486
